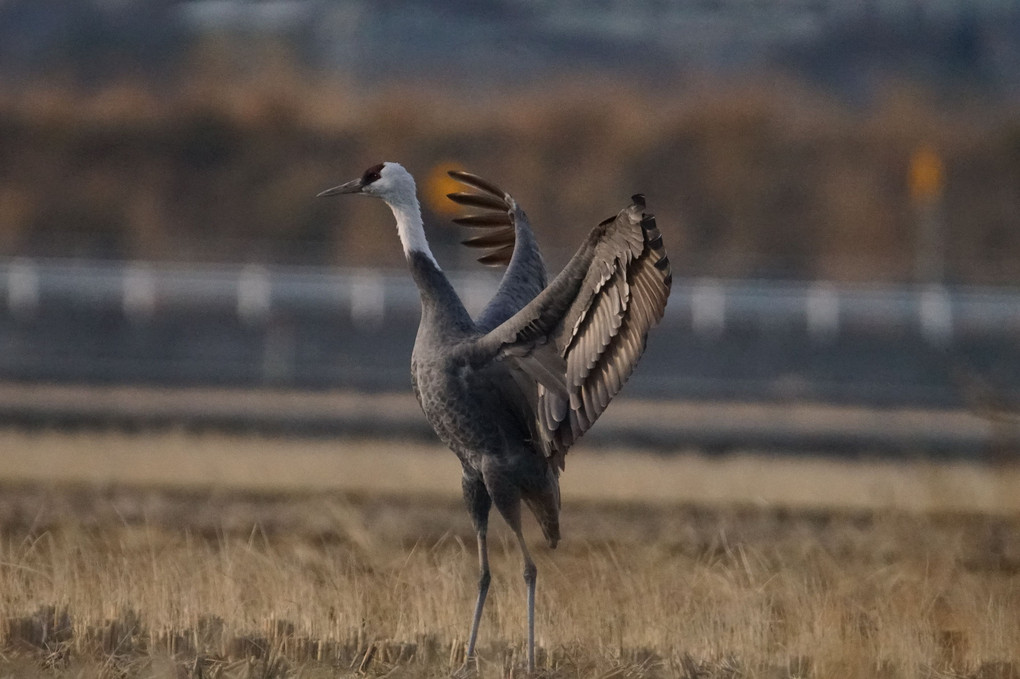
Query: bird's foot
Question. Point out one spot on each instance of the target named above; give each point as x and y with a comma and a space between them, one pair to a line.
469, 670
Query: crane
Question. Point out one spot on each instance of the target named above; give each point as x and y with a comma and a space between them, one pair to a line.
511, 391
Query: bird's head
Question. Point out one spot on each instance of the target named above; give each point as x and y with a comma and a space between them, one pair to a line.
389, 181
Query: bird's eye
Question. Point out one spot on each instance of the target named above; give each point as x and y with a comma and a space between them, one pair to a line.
371, 174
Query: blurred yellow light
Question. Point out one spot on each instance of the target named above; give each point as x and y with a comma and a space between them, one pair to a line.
926, 174
437, 184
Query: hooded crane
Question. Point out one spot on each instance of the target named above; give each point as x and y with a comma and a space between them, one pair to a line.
512, 390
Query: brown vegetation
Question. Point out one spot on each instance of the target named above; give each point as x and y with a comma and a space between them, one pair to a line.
745, 179
105, 579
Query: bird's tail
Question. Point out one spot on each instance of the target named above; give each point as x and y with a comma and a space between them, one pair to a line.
546, 509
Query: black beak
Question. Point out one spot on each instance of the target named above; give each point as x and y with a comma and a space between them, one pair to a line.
354, 186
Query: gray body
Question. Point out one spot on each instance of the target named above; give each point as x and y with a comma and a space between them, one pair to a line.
478, 407
512, 391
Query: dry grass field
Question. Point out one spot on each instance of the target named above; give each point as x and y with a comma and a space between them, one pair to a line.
202, 555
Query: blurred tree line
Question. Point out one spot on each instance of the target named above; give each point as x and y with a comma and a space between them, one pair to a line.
751, 178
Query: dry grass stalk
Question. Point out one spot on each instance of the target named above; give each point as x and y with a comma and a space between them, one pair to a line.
137, 581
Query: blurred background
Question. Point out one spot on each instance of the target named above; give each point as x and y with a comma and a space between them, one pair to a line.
838, 185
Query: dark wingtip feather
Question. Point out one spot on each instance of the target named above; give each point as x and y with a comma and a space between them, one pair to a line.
501, 241
490, 240
499, 257
490, 219
479, 200
477, 182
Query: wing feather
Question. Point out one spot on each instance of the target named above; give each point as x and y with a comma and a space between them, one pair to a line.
499, 239
485, 220
500, 257
481, 200
508, 242
477, 182
594, 317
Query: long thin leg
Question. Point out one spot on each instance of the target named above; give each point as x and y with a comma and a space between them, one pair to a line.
530, 577
506, 495
483, 589
478, 503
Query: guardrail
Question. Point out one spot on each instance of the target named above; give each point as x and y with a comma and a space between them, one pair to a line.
232, 324
711, 306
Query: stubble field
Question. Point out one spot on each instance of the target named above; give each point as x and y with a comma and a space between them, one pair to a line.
198, 555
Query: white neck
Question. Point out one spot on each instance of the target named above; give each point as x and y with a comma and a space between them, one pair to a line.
411, 229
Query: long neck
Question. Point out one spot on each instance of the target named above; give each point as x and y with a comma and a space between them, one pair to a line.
410, 228
441, 306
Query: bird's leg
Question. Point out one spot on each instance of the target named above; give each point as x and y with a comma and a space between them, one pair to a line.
483, 589
507, 498
530, 577
478, 503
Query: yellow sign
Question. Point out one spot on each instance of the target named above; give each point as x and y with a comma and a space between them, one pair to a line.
927, 174
437, 185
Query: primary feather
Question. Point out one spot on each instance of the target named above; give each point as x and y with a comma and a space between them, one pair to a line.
589, 325
507, 241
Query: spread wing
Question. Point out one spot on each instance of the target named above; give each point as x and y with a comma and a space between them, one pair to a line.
580, 339
508, 241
